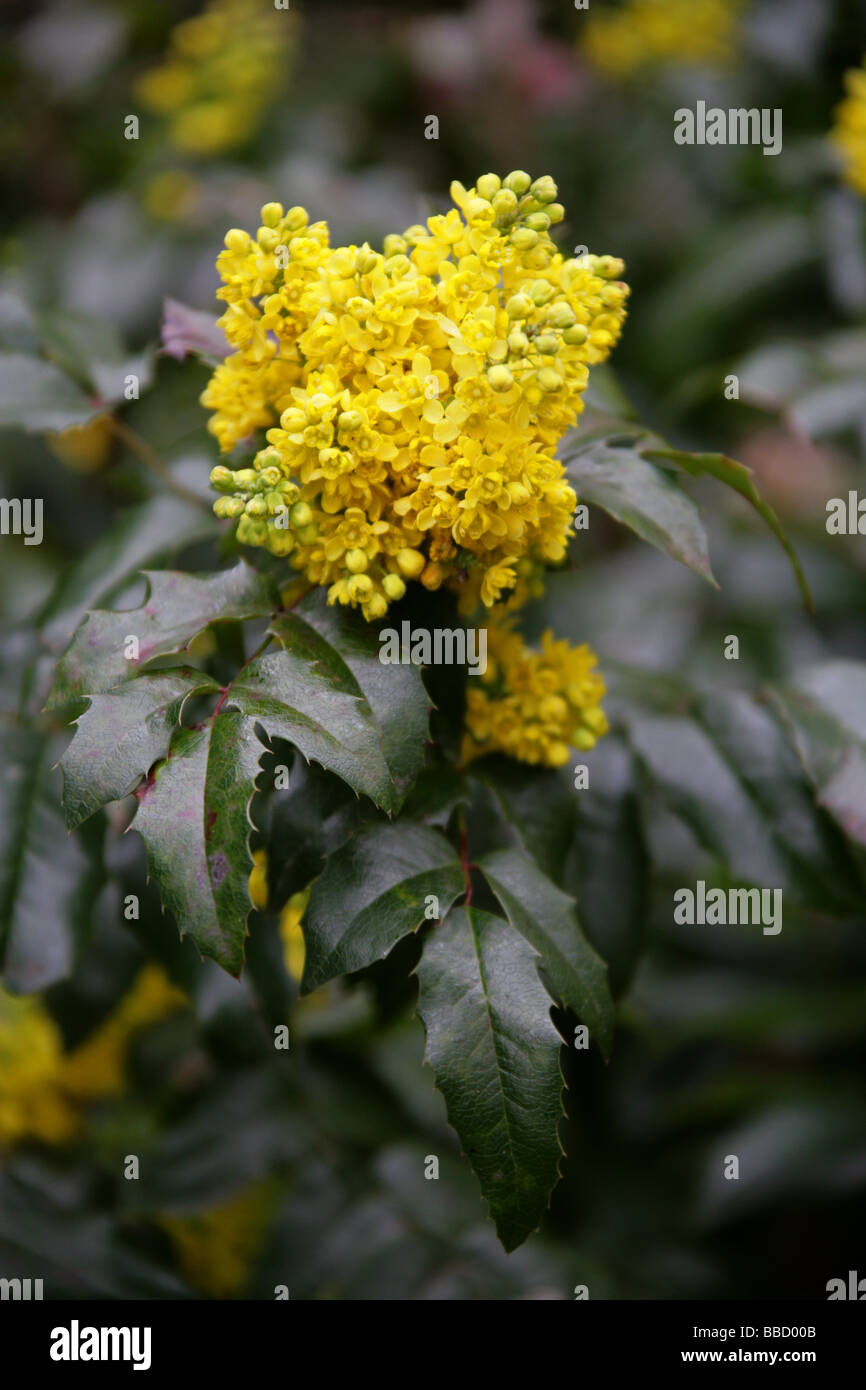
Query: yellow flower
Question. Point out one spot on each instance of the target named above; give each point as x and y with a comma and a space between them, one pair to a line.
223, 69
292, 937
648, 33
534, 705
849, 132
258, 881
413, 398
216, 1248
98, 1066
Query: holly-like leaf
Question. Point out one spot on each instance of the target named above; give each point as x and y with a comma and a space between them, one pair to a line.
178, 607
120, 737
546, 917
323, 688
36, 396
495, 1053
615, 477
372, 893
824, 710
139, 536
193, 815
738, 477
48, 880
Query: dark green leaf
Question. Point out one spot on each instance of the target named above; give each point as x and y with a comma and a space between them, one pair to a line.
495, 1053
178, 607
641, 496
120, 736
546, 917
47, 879
736, 476
825, 711
193, 815
372, 893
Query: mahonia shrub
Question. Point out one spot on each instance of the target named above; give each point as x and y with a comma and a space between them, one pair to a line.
407, 437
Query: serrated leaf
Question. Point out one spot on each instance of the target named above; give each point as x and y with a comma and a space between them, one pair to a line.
138, 537
633, 491
736, 476
120, 736
495, 1053
193, 815
371, 894
35, 396
824, 710
178, 607
724, 769
47, 879
324, 689
548, 920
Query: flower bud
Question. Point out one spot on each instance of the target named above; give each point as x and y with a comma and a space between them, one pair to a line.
308, 535
523, 238
500, 378
301, 515
547, 344
575, 335
488, 185
432, 576
583, 739
538, 221
393, 586
504, 203
519, 306
272, 214
222, 478
556, 212
548, 379
359, 586
356, 560
375, 607
518, 181
544, 189
410, 562
236, 240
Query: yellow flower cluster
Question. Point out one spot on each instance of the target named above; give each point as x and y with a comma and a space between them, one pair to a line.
849, 131
216, 1248
647, 33
534, 705
412, 398
41, 1087
222, 69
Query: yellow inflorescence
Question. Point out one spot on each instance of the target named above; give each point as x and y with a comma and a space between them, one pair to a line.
533, 705
648, 33
216, 1248
222, 69
849, 131
41, 1086
413, 398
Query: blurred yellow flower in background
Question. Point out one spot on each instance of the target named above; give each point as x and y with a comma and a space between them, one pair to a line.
215, 1248
849, 132
222, 70
648, 33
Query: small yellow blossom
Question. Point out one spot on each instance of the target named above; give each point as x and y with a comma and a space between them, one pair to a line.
650, 33
291, 935
216, 1248
849, 132
531, 705
222, 70
412, 399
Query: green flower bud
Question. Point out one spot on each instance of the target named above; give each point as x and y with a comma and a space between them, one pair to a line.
256, 506
222, 478
523, 239
272, 214
544, 189
538, 221
349, 421
519, 306
561, 315
488, 185
504, 203
541, 292
301, 515
574, 335
267, 238
547, 344
394, 244
245, 479
556, 212
308, 535
518, 181
229, 507
518, 341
